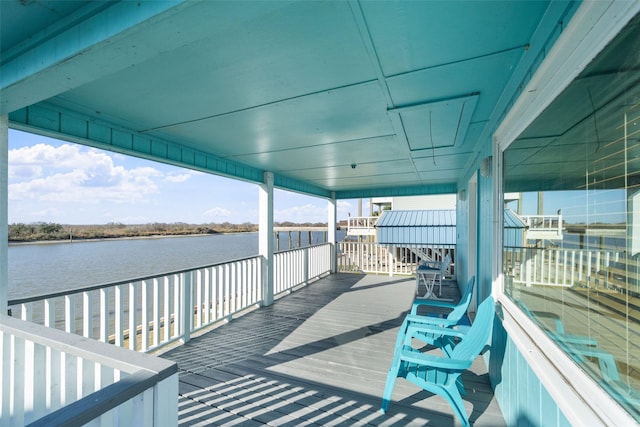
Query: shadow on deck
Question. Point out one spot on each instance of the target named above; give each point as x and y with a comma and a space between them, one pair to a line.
316, 357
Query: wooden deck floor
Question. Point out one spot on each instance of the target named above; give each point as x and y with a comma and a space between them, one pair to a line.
316, 357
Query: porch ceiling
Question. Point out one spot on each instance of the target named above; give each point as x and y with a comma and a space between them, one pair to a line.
405, 91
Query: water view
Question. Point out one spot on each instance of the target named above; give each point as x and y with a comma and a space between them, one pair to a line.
36, 269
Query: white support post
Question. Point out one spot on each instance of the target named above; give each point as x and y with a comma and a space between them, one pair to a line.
331, 235
4, 212
266, 238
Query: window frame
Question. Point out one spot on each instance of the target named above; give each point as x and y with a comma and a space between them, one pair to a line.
578, 396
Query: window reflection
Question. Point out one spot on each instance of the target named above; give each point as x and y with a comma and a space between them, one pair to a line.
572, 220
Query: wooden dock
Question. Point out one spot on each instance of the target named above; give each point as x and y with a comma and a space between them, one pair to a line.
317, 357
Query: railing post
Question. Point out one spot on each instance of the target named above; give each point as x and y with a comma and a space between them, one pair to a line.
332, 225
4, 212
266, 238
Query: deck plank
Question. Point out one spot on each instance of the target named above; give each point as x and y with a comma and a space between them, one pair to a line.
318, 356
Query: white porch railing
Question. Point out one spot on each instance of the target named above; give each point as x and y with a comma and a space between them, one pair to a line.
147, 313
572, 267
300, 266
59, 378
362, 225
51, 378
370, 257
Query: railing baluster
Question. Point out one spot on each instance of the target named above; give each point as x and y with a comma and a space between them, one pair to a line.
17, 372
207, 296
104, 314
227, 302
50, 312
5, 375
133, 327
69, 313
177, 303
87, 315
87, 379
243, 283
30, 382
167, 305
234, 286
198, 290
52, 379
118, 329
156, 311
215, 294
187, 306
144, 316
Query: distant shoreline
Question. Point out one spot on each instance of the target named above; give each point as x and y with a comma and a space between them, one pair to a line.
49, 233
102, 239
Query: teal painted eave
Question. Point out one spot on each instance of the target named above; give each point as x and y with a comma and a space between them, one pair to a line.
57, 123
432, 189
46, 120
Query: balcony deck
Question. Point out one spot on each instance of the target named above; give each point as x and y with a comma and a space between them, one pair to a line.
317, 357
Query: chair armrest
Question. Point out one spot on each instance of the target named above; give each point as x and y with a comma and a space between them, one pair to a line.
427, 320
432, 303
432, 329
412, 356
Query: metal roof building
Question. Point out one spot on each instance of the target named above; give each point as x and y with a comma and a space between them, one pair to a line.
437, 227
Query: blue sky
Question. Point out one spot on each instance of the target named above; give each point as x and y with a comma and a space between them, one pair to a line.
57, 181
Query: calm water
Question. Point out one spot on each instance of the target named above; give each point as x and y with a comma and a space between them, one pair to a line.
43, 268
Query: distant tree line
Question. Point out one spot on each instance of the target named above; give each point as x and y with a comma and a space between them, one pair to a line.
43, 231
36, 231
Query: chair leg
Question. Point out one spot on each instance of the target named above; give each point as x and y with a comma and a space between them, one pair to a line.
452, 394
392, 375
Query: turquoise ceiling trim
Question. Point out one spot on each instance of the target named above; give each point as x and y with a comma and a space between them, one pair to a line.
284, 182
47, 119
399, 191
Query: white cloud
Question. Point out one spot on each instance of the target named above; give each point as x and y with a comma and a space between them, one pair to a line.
70, 173
217, 213
301, 214
178, 178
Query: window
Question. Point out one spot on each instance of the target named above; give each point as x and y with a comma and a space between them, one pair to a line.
571, 251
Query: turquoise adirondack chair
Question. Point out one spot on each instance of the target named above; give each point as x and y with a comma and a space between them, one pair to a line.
440, 374
453, 318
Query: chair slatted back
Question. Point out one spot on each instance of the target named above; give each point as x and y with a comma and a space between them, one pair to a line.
477, 336
461, 309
